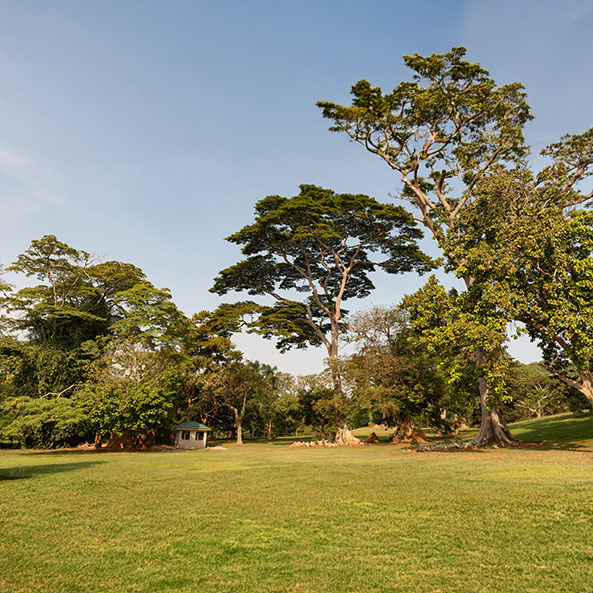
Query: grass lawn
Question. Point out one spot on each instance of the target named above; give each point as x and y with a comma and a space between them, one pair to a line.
264, 517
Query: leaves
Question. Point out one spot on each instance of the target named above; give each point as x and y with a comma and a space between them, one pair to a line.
321, 244
451, 121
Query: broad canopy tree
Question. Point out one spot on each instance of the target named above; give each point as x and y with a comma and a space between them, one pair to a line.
97, 334
323, 246
76, 299
456, 330
528, 241
67, 317
442, 132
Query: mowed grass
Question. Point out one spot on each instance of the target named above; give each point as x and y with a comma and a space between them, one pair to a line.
267, 518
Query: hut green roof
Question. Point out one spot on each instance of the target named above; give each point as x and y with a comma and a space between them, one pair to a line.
192, 426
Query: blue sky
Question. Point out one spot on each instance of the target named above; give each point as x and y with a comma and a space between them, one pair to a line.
145, 131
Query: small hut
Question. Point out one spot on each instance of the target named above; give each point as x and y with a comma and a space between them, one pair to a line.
191, 435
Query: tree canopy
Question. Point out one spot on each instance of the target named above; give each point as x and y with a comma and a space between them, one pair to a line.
444, 132
324, 246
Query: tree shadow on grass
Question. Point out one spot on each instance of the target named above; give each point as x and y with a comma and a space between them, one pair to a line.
31, 471
565, 432
101, 451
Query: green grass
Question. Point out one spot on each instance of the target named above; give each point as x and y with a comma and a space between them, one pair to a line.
265, 518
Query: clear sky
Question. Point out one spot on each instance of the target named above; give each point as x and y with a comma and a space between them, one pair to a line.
146, 130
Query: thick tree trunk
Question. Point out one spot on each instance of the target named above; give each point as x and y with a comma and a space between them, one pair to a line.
335, 373
269, 429
239, 427
586, 386
405, 431
98, 440
344, 436
493, 428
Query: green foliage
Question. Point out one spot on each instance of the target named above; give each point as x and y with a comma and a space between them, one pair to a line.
287, 408
127, 407
394, 375
319, 407
323, 245
530, 252
455, 330
39, 371
75, 301
244, 389
99, 333
450, 122
575, 151
149, 316
536, 393
44, 423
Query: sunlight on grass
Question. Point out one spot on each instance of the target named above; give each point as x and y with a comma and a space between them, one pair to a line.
267, 518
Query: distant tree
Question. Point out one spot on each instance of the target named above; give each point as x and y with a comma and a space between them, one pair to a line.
323, 245
397, 374
318, 405
239, 387
536, 392
286, 406
268, 394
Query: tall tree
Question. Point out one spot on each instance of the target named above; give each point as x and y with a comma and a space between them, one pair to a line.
528, 241
322, 245
96, 333
452, 327
441, 132
67, 317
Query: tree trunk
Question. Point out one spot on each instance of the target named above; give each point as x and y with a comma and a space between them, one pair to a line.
269, 429
239, 427
405, 431
586, 386
345, 437
98, 440
493, 428
335, 373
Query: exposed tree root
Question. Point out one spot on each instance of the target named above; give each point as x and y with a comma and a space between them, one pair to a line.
408, 433
344, 436
494, 433
129, 441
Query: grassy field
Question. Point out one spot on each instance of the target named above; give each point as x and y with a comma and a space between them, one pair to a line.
265, 518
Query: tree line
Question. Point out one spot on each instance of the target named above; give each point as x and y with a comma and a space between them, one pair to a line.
100, 347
